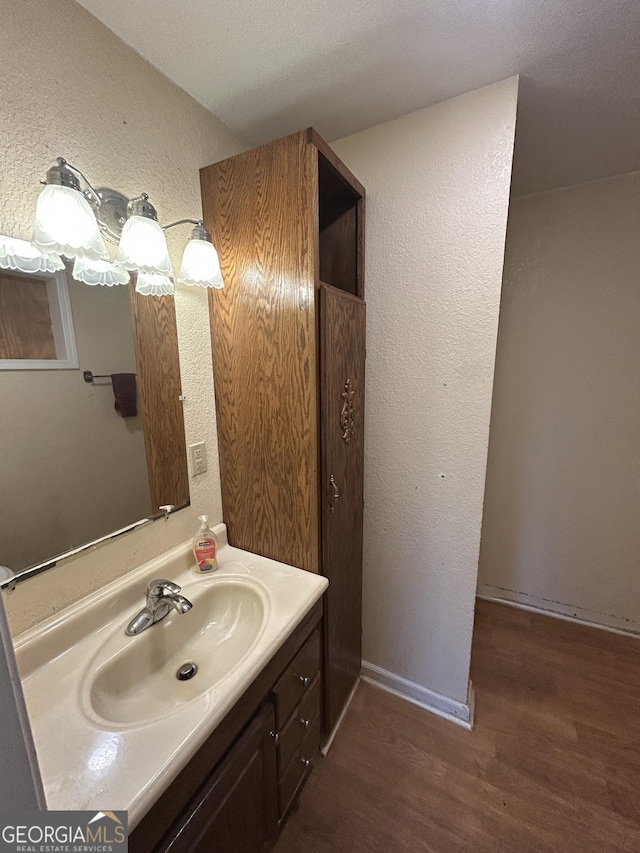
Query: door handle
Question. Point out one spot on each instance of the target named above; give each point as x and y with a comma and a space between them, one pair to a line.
334, 497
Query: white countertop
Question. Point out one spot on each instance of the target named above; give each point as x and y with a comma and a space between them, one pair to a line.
87, 763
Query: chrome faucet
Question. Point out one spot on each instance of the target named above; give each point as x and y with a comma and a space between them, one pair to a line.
162, 597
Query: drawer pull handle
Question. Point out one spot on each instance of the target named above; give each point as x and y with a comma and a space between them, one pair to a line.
304, 679
305, 723
305, 761
275, 736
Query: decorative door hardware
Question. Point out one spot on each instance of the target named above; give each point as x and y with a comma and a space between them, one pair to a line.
347, 412
334, 497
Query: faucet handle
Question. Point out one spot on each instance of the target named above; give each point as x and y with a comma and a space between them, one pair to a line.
157, 587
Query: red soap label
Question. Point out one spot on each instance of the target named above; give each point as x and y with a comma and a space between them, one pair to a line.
206, 554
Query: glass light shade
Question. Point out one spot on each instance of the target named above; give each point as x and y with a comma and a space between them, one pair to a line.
200, 265
152, 284
99, 272
66, 225
24, 256
143, 247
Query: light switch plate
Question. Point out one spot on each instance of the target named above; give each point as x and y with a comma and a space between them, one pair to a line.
198, 458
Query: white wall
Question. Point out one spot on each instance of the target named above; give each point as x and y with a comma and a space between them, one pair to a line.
69, 87
561, 525
437, 197
72, 469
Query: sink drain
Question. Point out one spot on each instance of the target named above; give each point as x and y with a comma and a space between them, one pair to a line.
186, 671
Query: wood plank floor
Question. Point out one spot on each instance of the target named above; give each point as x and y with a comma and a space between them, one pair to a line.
553, 763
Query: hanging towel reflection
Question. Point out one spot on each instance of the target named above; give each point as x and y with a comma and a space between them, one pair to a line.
124, 391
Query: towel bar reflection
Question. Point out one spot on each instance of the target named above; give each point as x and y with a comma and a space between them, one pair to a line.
88, 376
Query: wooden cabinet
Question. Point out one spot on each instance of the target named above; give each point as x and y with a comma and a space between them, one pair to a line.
294, 682
296, 697
236, 809
288, 340
342, 352
235, 791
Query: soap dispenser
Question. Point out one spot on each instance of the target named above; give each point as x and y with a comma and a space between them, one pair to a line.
205, 547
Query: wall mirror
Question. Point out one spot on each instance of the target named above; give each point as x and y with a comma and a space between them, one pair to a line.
74, 467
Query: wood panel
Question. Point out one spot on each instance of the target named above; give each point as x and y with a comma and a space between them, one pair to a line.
237, 809
299, 766
360, 243
296, 680
261, 208
25, 318
346, 174
342, 325
551, 766
293, 733
159, 389
338, 252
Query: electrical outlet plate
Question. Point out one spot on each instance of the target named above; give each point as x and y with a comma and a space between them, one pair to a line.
198, 458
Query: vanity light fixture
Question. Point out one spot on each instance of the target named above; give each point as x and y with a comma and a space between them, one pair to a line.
65, 224
200, 263
143, 246
73, 219
23, 256
99, 272
152, 284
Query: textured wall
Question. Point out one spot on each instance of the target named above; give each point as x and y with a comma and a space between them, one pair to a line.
437, 196
69, 87
562, 501
80, 471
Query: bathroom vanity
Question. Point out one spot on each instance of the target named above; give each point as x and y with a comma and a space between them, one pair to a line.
210, 762
239, 786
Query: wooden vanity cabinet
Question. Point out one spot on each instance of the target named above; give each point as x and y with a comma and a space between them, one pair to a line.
234, 793
296, 697
288, 342
236, 808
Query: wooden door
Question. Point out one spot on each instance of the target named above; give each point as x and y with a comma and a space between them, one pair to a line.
159, 389
342, 357
237, 809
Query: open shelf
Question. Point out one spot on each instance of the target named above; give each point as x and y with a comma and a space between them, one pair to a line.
339, 214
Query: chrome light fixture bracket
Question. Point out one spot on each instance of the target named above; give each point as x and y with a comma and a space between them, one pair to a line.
109, 206
199, 232
111, 212
141, 206
62, 175
113, 208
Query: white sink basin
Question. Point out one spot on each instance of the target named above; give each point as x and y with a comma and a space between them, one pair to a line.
111, 722
133, 680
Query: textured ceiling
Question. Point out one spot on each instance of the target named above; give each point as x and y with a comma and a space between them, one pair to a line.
270, 67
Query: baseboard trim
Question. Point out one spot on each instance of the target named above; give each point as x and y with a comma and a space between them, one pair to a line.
450, 709
327, 746
498, 596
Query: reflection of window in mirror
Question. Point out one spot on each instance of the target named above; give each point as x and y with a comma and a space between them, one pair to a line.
36, 325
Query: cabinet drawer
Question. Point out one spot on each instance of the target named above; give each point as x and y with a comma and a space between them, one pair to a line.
298, 767
298, 725
297, 678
